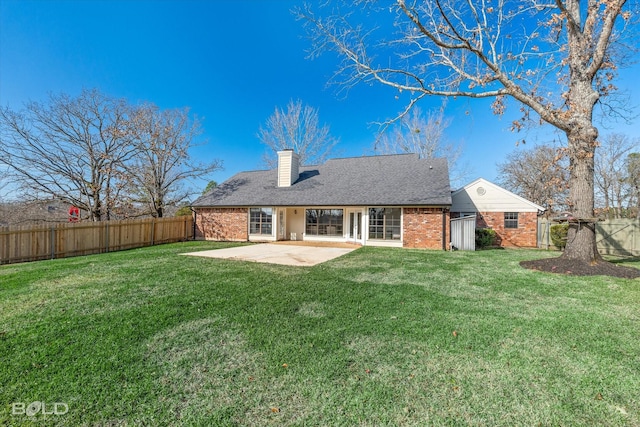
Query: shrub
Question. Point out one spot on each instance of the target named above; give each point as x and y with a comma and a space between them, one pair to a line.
558, 234
184, 211
485, 237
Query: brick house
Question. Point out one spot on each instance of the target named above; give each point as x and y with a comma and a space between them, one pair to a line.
514, 219
395, 200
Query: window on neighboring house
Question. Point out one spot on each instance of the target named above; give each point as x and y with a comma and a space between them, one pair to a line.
511, 220
324, 222
385, 223
260, 221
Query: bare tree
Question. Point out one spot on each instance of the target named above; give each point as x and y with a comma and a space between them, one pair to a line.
68, 149
162, 163
297, 128
556, 59
633, 178
611, 168
425, 136
539, 174
4, 180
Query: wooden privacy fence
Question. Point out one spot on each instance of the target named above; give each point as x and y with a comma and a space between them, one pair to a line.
19, 244
613, 236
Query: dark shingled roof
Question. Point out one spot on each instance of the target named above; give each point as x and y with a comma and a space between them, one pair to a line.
393, 180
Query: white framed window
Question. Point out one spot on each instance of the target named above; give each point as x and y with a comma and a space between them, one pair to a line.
324, 222
261, 221
511, 220
385, 223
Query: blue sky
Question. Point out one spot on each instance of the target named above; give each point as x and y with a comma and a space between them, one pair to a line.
232, 63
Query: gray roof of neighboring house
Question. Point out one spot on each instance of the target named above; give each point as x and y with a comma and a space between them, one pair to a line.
392, 180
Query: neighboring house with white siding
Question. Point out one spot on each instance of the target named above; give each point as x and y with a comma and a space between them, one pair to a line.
514, 219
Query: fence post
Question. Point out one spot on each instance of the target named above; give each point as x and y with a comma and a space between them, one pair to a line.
106, 236
52, 245
548, 227
153, 229
7, 239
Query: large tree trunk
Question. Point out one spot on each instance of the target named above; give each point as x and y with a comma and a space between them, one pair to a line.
581, 238
95, 205
582, 136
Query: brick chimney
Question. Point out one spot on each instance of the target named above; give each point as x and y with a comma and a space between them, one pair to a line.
288, 162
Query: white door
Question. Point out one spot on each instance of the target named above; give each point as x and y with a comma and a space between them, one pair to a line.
354, 225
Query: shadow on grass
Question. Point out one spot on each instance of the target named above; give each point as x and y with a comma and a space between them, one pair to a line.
625, 260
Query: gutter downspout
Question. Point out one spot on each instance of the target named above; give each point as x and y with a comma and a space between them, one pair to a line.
195, 217
444, 229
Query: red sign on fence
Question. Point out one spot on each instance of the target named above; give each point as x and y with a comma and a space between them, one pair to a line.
74, 214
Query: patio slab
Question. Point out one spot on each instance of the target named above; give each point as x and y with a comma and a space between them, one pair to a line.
274, 253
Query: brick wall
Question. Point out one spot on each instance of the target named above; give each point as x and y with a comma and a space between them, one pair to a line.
523, 236
225, 224
422, 228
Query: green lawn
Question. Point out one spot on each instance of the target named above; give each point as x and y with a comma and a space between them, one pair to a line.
377, 337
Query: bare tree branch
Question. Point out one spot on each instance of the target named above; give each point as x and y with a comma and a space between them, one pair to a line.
614, 186
538, 174
67, 149
297, 128
425, 135
162, 163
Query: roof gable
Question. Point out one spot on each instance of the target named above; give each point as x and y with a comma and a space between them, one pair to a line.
394, 180
484, 196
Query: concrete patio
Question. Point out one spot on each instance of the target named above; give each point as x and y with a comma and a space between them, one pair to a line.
290, 253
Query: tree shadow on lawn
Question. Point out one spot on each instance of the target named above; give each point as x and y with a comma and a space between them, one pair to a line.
626, 260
